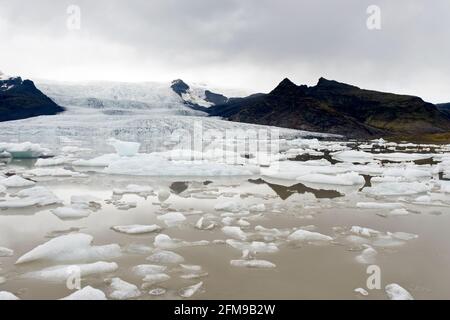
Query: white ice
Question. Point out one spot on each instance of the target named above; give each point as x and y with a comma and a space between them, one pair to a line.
122, 290
137, 229
87, 293
396, 292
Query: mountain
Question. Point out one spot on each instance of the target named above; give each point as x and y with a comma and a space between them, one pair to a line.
444, 107
20, 99
338, 108
197, 98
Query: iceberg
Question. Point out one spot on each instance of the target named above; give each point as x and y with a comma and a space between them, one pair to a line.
122, 290
124, 148
71, 247
87, 293
24, 150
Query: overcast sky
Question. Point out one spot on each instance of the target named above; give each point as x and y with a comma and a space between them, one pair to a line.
250, 44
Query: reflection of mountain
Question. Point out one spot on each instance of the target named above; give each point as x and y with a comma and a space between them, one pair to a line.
285, 192
20, 99
335, 107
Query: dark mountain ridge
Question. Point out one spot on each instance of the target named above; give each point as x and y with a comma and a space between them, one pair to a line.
20, 99
338, 108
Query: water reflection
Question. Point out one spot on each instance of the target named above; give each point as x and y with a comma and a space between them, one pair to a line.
285, 192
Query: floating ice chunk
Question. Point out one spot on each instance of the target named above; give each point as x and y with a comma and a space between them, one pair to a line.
73, 149
361, 291
63, 272
387, 241
24, 150
367, 256
398, 156
73, 212
137, 229
396, 292
134, 189
71, 247
5, 295
234, 232
163, 194
146, 269
124, 148
398, 188
190, 267
274, 232
243, 223
445, 186
155, 278
258, 207
16, 181
232, 206
165, 257
172, 218
366, 232
305, 235
345, 179
254, 247
52, 162
191, 276
102, 161
157, 292
379, 205
258, 264
53, 172
36, 196
87, 200
154, 165
202, 226
191, 290
403, 235
87, 293
163, 241
399, 212
408, 173
122, 290
2, 187
353, 156
5, 252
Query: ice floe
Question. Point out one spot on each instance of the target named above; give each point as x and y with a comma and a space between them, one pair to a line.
172, 218
36, 196
134, 189
396, 292
71, 247
367, 256
62, 272
24, 150
5, 295
305, 235
6, 252
72, 212
346, 179
87, 293
124, 148
191, 290
257, 264
234, 232
146, 269
398, 188
122, 290
16, 181
137, 229
165, 257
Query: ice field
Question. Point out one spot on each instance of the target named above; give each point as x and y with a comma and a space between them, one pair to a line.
107, 199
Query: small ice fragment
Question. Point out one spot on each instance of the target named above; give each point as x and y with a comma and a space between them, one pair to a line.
157, 292
190, 267
396, 292
155, 278
367, 256
72, 212
366, 232
165, 257
137, 229
87, 293
191, 290
122, 290
124, 148
172, 218
5, 252
146, 269
258, 207
134, 189
304, 235
399, 212
234, 232
5, 295
202, 226
259, 264
231, 206
361, 291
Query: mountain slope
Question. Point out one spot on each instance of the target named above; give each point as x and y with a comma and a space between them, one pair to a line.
197, 98
444, 107
339, 108
20, 99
